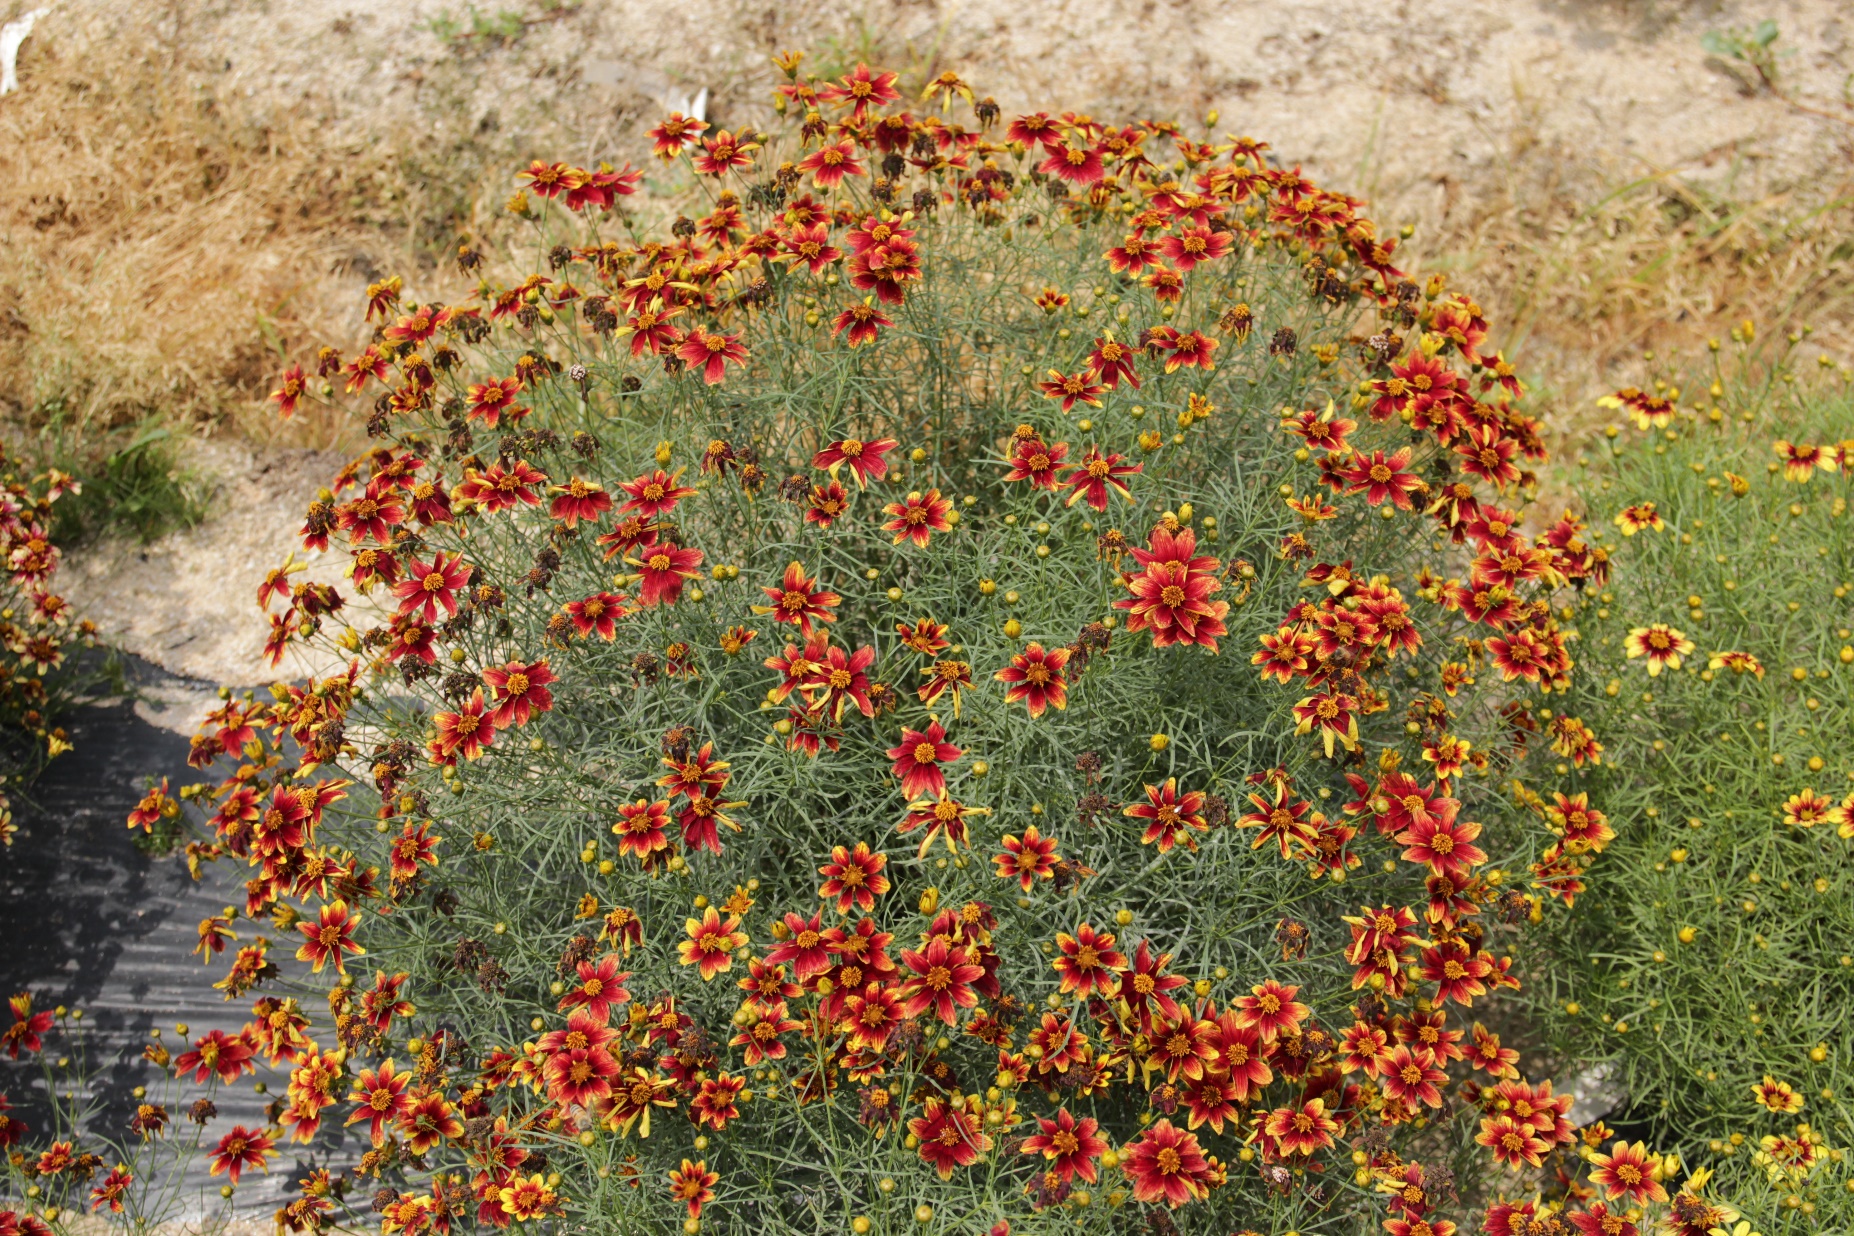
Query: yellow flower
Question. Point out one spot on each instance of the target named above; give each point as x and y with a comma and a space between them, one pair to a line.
1777, 1096
1660, 643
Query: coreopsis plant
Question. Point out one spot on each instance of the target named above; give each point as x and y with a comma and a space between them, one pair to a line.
950, 686
37, 632
66, 1158
1708, 962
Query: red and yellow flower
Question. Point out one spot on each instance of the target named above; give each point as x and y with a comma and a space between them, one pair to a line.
381, 1094
918, 760
1027, 859
711, 943
1071, 1147
1627, 1171
1171, 817
865, 459
1166, 1164
240, 1149
662, 568
854, 877
1299, 1129
799, 601
918, 518
693, 1185
1087, 962
1035, 677
940, 979
330, 937
1094, 475
951, 1134
1171, 595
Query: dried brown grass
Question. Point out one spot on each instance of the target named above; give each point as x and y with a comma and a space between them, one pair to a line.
1586, 276
166, 247
159, 249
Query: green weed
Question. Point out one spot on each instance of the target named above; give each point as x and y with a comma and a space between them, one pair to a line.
1714, 953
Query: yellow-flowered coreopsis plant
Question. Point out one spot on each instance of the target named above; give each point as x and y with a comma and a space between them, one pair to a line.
1710, 962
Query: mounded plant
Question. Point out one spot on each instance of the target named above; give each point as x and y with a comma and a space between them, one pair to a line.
961, 683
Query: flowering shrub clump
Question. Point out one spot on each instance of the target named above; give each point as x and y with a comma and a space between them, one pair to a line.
68, 1158
1711, 958
36, 628
961, 686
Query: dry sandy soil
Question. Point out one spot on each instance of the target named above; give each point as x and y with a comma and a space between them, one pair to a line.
1409, 104
1442, 115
